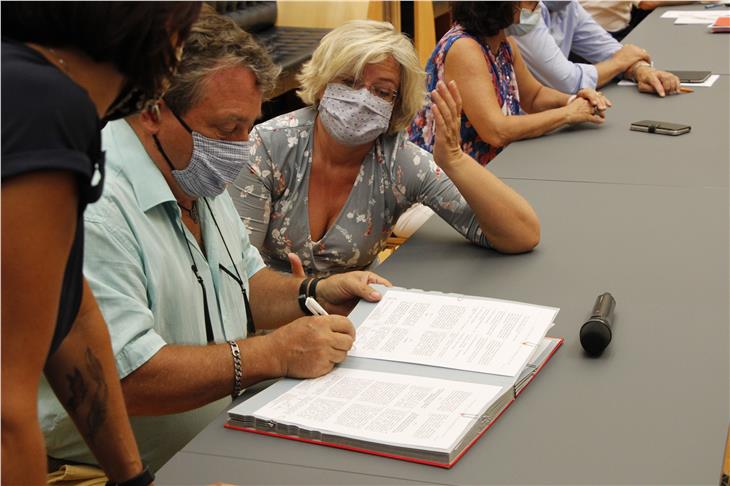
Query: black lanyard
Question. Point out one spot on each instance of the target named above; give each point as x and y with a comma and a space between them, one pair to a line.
250, 328
194, 267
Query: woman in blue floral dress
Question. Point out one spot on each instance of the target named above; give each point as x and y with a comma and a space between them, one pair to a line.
495, 83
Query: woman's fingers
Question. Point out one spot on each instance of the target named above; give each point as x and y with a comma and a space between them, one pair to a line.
440, 97
454, 91
446, 125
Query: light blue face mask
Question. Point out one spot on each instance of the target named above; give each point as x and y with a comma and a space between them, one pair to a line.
528, 21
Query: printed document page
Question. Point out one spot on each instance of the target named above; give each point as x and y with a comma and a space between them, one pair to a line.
389, 408
488, 336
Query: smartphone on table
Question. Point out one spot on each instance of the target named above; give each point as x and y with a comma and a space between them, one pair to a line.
663, 128
691, 76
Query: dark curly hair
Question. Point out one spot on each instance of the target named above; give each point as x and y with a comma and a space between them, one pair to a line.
483, 19
133, 36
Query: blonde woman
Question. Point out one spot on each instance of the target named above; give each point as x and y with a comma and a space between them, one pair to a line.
329, 181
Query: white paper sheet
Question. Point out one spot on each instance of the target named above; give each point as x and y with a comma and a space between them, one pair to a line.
706, 17
388, 408
693, 21
707, 83
488, 336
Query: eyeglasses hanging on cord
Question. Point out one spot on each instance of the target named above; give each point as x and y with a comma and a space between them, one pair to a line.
250, 327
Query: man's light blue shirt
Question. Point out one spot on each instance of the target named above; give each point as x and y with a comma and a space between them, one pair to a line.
139, 269
566, 27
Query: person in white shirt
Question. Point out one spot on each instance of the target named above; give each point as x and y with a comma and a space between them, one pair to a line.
620, 17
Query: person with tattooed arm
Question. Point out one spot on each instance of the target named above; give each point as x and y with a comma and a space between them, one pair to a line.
66, 68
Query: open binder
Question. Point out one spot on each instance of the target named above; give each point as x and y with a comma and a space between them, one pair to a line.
492, 395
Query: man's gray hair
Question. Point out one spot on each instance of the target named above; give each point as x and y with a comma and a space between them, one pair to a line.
217, 42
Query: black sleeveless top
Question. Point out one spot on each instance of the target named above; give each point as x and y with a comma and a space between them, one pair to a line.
50, 123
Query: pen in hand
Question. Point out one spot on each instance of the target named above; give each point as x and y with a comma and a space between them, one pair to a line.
314, 307
318, 310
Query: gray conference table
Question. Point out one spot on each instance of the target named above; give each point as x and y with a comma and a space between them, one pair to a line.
652, 410
612, 153
668, 45
651, 228
607, 153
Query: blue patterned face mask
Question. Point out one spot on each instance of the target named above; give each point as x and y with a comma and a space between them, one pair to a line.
213, 165
528, 21
353, 116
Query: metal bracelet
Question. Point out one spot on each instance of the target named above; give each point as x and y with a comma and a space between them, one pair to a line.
237, 369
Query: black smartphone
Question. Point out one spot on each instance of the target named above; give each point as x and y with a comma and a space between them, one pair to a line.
664, 128
691, 76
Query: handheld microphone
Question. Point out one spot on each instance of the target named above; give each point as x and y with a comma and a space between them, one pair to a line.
595, 334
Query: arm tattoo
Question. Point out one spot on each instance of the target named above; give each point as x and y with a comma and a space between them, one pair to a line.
78, 389
96, 405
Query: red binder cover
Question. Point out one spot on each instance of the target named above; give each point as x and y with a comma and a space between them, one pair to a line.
722, 24
405, 458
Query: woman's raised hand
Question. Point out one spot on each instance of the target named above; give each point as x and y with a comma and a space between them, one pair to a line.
446, 108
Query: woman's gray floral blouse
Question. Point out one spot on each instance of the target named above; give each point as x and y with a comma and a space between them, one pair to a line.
271, 195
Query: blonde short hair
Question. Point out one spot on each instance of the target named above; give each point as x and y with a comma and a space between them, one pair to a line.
346, 51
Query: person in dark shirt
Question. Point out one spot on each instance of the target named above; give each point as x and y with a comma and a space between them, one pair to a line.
67, 68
